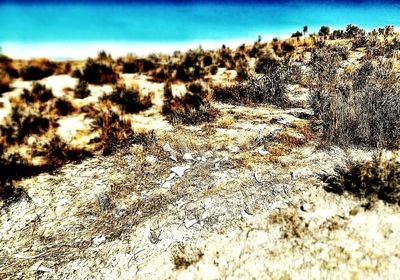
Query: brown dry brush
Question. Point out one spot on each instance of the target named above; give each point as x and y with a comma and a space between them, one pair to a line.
192, 109
375, 179
268, 86
129, 99
359, 108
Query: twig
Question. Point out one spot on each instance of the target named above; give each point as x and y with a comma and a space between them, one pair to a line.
29, 257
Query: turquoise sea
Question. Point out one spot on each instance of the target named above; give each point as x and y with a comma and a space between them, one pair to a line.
71, 29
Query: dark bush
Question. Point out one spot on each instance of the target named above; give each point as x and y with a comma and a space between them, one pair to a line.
37, 70
214, 69
25, 121
297, 34
38, 92
129, 99
324, 31
99, 73
64, 107
376, 179
5, 82
81, 90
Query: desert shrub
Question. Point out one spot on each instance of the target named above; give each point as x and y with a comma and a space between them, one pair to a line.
192, 109
324, 31
129, 99
99, 73
113, 128
353, 31
38, 92
5, 82
268, 86
14, 167
375, 179
360, 108
37, 70
76, 73
297, 34
25, 121
81, 90
214, 69
63, 107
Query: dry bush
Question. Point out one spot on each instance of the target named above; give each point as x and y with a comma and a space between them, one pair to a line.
375, 179
38, 93
99, 72
192, 109
268, 87
129, 99
5, 82
360, 108
63, 107
25, 121
38, 69
81, 90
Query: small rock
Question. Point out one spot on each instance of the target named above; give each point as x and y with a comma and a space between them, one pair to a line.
173, 156
258, 177
179, 170
166, 185
296, 174
189, 222
167, 148
262, 151
233, 148
98, 240
188, 156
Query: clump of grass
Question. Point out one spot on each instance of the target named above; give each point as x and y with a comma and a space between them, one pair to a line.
375, 179
38, 69
81, 90
129, 99
192, 109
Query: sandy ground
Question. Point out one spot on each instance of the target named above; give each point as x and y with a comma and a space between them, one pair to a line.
225, 200
230, 206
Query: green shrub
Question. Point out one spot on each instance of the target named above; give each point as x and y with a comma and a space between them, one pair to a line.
376, 179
